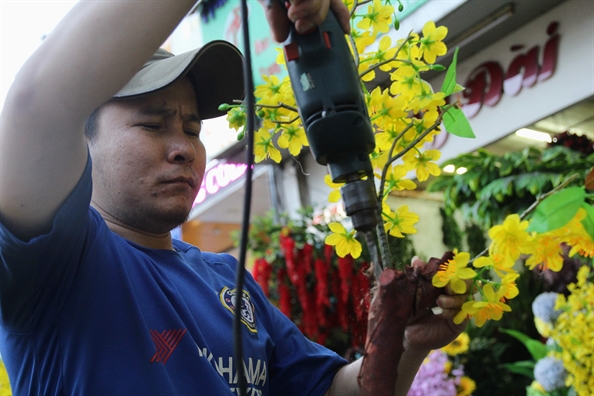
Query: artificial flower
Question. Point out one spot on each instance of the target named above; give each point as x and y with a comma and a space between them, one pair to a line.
546, 253
454, 272
344, 241
510, 238
334, 195
458, 346
378, 17
422, 163
399, 222
264, 148
293, 138
465, 387
431, 44
489, 308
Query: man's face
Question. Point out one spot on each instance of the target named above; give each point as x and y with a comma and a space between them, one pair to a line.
148, 160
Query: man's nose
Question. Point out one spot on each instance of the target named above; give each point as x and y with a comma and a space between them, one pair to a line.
181, 148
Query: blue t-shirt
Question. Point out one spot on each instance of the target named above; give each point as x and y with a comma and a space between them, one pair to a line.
87, 312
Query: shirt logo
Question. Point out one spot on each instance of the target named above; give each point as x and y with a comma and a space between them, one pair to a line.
248, 313
165, 342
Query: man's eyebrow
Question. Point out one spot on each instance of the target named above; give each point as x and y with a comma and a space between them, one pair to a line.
167, 112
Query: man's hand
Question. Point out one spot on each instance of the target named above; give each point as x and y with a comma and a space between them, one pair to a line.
305, 14
434, 331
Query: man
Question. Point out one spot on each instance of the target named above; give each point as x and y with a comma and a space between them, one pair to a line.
99, 300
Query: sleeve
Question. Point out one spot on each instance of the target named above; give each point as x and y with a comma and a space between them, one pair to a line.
298, 366
35, 276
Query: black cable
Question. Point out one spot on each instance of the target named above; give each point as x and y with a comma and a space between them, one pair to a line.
247, 203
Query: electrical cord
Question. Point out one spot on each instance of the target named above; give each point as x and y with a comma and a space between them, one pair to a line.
249, 135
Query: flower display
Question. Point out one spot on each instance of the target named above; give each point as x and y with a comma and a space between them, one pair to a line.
550, 373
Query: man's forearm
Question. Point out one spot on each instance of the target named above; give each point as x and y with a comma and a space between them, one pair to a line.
345, 381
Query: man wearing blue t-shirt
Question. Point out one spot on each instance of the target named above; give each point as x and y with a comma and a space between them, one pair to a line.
95, 296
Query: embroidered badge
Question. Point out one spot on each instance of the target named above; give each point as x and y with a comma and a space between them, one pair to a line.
248, 313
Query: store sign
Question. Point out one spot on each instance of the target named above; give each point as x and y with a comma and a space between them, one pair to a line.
487, 83
217, 178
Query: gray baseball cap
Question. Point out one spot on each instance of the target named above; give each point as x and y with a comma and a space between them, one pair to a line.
215, 69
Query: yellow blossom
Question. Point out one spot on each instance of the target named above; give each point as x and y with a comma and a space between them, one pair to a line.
399, 222
465, 387
334, 195
422, 163
431, 42
344, 241
236, 117
500, 263
384, 109
264, 148
407, 82
458, 346
293, 138
395, 179
546, 252
273, 88
385, 52
453, 272
508, 288
510, 238
378, 17
363, 39
573, 332
490, 308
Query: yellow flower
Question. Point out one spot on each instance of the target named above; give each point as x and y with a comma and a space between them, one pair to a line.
363, 39
426, 99
454, 272
273, 88
497, 261
546, 252
510, 238
431, 43
395, 179
490, 308
236, 117
407, 82
293, 138
573, 332
508, 287
421, 161
280, 56
344, 241
4, 381
458, 346
384, 109
465, 387
399, 222
378, 17
264, 148
334, 195
384, 53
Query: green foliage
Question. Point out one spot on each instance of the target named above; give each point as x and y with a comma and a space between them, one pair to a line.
496, 186
557, 210
452, 235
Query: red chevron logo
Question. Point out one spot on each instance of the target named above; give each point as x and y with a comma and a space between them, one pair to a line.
165, 342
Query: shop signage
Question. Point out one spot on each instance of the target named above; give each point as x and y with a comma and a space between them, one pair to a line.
487, 83
218, 177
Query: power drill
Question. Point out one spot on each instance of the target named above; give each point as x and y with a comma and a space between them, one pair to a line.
334, 114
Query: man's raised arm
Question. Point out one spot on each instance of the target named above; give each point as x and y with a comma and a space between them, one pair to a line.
88, 57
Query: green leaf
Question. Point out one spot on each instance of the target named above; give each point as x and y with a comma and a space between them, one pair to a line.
449, 82
588, 222
456, 123
525, 368
557, 210
537, 349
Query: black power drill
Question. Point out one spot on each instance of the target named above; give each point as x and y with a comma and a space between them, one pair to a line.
334, 114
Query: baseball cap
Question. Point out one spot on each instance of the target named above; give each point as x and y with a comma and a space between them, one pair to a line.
215, 69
